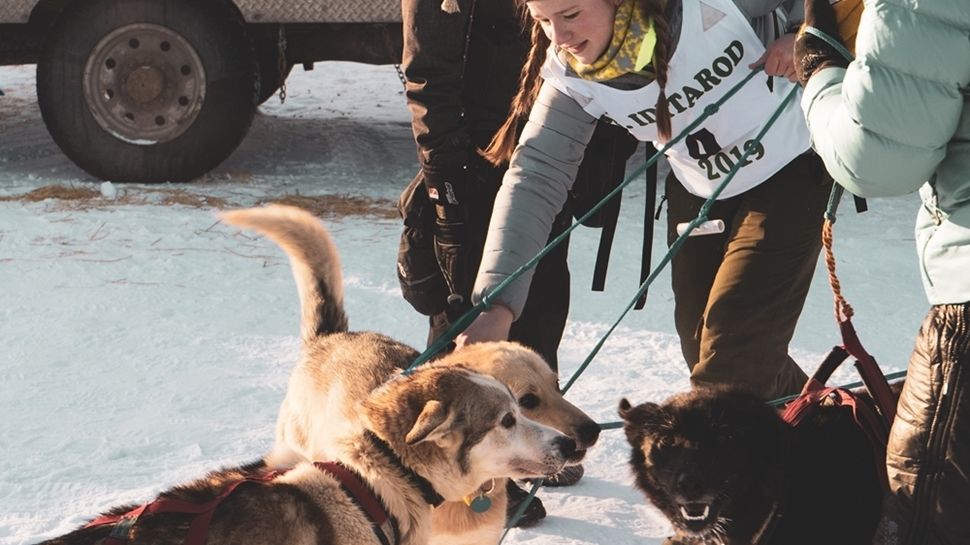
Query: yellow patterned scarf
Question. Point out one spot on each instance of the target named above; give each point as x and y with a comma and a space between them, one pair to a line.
630, 49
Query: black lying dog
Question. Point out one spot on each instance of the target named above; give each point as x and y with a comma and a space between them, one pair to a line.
725, 469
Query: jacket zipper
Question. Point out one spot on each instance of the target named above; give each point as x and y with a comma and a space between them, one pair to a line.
931, 472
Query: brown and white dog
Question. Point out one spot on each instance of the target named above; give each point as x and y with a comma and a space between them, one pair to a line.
339, 368
431, 436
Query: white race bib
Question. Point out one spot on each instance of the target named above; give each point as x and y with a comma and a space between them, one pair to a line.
716, 46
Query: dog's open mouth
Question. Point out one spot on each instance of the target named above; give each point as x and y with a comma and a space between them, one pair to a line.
695, 511
697, 516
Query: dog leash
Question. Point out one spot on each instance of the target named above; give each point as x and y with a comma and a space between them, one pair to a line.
872, 376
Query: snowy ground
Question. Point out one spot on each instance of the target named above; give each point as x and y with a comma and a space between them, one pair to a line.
144, 343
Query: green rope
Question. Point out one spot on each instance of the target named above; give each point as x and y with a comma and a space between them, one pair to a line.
834, 197
837, 190
521, 509
831, 41
780, 401
675, 247
466, 319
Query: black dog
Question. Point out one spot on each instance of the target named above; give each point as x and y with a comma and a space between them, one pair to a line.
725, 469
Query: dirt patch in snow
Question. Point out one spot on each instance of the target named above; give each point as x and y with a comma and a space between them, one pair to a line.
62, 197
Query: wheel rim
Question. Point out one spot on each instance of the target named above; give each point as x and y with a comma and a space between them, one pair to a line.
144, 84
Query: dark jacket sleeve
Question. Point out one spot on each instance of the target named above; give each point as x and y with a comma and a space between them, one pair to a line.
434, 48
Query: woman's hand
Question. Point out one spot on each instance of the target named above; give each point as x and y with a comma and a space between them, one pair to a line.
491, 325
779, 58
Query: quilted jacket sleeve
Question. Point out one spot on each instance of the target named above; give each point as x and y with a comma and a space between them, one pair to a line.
882, 126
533, 191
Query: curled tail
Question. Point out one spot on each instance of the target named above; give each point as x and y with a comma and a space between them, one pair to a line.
313, 258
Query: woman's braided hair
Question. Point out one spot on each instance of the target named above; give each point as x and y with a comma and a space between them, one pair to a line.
499, 150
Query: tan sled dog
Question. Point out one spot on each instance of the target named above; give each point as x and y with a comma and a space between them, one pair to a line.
432, 436
339, 368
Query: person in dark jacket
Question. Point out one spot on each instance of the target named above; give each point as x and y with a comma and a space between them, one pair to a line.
894, 121
462, 61
462, 70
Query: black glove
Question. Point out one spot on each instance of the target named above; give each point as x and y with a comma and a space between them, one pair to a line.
448, 192
811, 52
433, 265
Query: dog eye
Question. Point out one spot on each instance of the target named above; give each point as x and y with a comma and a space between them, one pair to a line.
508, 420
529, 401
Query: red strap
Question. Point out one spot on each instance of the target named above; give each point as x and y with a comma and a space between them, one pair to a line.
872, 376
198, 529
871, 423
799, 408
357, 490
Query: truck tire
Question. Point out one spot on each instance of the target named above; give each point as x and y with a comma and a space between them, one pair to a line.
148, 90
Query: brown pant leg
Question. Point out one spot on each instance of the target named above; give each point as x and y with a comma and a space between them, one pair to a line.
762, 269
694, 267
763, 281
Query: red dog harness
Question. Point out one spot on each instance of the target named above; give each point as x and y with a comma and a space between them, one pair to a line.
875, 418
384, 526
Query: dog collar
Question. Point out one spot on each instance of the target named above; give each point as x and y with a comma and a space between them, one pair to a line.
480, 502
430, 495
384, 525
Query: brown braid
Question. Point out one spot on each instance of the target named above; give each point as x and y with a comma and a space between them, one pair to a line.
499, 150
655, 10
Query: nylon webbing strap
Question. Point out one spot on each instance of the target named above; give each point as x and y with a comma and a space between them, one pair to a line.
198, 528
646, 253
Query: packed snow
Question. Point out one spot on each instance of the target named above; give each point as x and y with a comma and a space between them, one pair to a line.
144, 343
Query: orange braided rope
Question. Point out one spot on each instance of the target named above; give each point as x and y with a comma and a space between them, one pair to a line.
843, 310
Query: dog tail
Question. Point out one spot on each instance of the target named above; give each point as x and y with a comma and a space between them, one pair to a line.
313, 258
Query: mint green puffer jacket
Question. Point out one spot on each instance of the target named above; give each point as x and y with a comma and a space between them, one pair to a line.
898, 117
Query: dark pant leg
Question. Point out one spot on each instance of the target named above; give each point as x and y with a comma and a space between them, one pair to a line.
928, 456
543, 318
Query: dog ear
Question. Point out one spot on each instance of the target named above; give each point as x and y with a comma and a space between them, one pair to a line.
624, 409
433, 424
642, 420
645, 414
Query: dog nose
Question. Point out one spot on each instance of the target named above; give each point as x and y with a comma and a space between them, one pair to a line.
588, 434
566, 445
689, 485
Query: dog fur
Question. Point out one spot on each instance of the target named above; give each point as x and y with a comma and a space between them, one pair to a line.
444, 424
451, 426
339, 368
725, 469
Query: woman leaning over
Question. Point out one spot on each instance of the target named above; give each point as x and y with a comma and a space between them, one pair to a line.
652, 68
